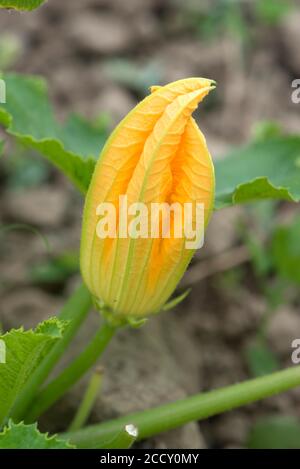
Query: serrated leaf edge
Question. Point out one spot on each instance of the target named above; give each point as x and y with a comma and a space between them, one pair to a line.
10, 424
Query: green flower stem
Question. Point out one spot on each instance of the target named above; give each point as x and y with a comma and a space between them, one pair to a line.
75, 310
88, 400
59, 386
198, 407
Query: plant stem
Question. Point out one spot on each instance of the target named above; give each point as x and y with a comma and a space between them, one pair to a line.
88, 400
60, 385
75, 310
123, 440
198, 407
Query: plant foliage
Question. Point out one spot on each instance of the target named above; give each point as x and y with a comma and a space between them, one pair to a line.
24, 352
20, 436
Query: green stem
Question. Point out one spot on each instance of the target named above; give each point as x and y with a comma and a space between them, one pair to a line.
75, 310
88, 400
59, 386
198, 407
123, 440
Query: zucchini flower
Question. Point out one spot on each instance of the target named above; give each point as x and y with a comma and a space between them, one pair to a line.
135, 243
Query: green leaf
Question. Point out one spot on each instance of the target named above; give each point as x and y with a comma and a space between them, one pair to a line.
261, 360
23, 170
263, 170
21, 4
272, 11
20, 436
24, 352
55, 270
285, 250
264, 130
276, 432
132, 76
29, 117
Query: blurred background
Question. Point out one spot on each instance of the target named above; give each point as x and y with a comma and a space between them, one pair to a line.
99, 58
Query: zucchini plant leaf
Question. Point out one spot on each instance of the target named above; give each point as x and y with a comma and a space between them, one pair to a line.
29, 117
285, 251
24, 350
268, 169
275, 432
20, 436
21, 4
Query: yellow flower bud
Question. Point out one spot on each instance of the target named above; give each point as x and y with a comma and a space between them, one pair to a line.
156, 155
